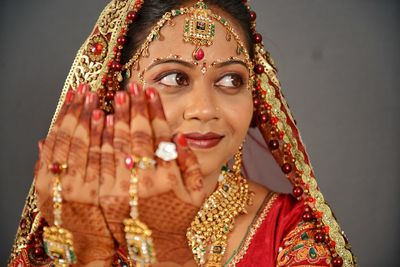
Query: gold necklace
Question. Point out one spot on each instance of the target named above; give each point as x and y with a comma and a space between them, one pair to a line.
215, 220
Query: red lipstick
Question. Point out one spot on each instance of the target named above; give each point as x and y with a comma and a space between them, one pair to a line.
203, 141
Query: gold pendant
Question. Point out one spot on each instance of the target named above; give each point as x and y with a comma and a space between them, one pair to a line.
199, 27
139, 242
59, 246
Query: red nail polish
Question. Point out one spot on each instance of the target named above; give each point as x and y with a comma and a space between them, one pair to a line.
134, 89
110, 120
96, 115
90, 98
82, 89
121, 98
150, 93
182, 140
70, 96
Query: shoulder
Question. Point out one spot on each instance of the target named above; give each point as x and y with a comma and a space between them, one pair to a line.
302, 241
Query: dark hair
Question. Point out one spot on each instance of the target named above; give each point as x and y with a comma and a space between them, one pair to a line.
153, 10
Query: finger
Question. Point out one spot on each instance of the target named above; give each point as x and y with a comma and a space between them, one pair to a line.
67, 126
107, 166
94, 156
142, 140
79, 148
141, 135
122, 147
190, 169
48, 145
161, 129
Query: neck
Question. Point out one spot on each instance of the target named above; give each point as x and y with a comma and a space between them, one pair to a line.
210, 182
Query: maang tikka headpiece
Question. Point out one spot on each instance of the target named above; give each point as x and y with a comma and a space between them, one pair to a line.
98, 63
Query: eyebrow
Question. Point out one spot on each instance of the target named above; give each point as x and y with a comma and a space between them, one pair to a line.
170, 60
192, 65
227, 63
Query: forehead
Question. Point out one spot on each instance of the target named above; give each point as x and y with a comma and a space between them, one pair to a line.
171, 42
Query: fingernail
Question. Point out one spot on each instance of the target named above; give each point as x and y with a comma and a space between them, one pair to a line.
40, 145
69, 97
150, 93
90, 98
110, 120
181, 139
96, 114
121, 98
82, 88
134, 89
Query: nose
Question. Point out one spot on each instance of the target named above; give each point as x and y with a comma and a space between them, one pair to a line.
201, 105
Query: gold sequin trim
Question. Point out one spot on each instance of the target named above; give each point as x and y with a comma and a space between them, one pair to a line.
253, 229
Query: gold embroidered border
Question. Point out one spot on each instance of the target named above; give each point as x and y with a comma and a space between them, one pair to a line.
273, 97
252, 230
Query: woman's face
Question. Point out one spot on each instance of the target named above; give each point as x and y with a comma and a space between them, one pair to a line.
209, 101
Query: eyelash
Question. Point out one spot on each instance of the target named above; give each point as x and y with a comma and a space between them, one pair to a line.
166, 74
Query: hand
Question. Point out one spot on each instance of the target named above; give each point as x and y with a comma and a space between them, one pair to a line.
76, 139
170, 194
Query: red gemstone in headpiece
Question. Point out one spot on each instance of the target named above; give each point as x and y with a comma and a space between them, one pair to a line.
319, 237
97, 49
297, 191
133, 16
110, 95
273, 144
253, 15
286, 168
258, 69
257, 38
121, 40
307, 216
337, 262
198, 54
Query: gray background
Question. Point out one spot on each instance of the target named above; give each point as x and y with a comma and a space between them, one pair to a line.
339, 66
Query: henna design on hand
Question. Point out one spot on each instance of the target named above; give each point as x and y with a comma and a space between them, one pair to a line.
92, 239
115, 210
168, 217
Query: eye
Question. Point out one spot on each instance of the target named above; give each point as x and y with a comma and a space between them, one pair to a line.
174, 79
231, 80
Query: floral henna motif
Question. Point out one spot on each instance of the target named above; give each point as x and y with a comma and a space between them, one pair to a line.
92, 238
142, 144
192, 176
168, 217
121, 143
115, 210
93, 172
139, 106
194, 180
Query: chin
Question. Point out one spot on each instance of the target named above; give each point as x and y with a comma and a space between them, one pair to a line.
208, 162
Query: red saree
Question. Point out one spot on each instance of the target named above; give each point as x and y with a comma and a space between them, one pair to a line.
278, 236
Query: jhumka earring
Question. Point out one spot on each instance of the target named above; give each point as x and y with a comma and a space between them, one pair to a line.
215, 220
57, 241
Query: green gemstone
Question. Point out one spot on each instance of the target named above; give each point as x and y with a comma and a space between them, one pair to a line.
304, 236
72, 253
178, 12
297, 247
224, 168
313, 253
223, 20
226, 228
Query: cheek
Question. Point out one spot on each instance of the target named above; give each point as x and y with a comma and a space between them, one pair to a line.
238, 115
173, 110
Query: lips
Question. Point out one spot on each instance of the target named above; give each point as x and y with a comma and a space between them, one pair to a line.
203, 141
